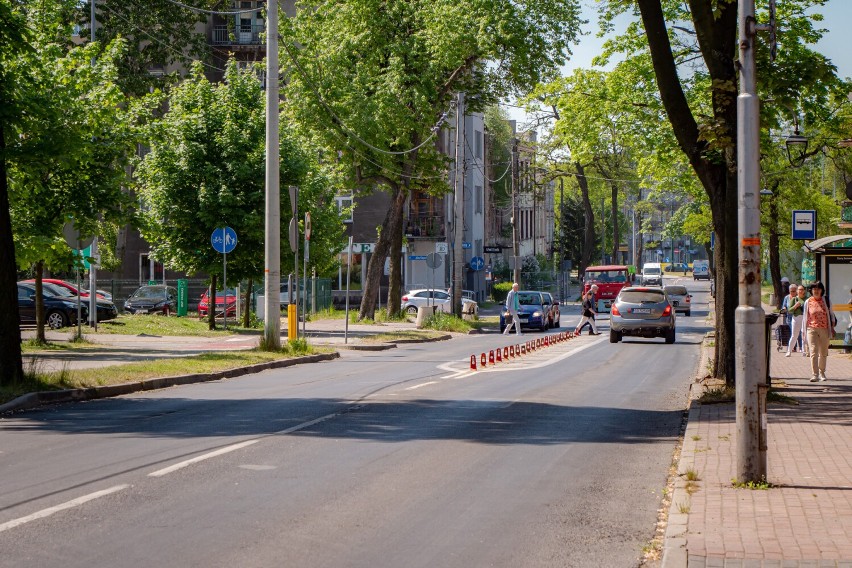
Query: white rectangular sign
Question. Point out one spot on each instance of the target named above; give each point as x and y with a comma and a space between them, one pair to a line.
441, 248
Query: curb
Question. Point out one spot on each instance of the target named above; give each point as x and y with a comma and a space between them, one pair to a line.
35, 399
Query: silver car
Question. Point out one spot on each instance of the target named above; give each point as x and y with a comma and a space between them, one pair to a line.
642, 312
438, 298
680, 298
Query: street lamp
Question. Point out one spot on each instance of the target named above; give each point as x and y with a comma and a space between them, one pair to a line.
796, 145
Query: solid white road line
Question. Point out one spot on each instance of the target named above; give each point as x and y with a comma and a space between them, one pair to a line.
196, 459
49, 511
421, 385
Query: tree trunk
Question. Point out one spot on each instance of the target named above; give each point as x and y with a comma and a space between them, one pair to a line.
395, 276
774, 240
247, 303
616, 229
715, 165
211, 304
376, 266
39, 301
11, 367
589, 240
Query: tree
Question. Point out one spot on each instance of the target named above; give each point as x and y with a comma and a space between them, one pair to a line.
68, 159
373, 79
696, 78
162, 34
15, 42
206, 170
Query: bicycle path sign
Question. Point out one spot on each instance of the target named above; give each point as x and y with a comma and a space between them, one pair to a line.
223, 239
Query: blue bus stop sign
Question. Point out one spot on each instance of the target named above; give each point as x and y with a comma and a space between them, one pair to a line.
224, 240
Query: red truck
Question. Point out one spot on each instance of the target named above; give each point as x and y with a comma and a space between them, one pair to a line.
610, 279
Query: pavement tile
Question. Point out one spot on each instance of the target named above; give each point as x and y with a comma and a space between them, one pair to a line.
805, 518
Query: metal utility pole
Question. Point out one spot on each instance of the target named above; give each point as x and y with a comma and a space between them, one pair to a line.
458, 209
516, 242
603, 232
750, 335
563, 288
93, 271
272, 236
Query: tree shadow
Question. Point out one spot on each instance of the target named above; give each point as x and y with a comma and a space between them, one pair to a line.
499, 422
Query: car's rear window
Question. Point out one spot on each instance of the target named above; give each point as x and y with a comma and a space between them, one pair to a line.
677, 290
641, 296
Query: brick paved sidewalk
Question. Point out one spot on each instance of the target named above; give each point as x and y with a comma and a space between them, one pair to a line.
805, 518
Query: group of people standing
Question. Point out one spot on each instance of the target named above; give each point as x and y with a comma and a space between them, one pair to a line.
812, 325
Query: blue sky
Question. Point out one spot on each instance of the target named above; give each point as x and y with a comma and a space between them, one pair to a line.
834, 45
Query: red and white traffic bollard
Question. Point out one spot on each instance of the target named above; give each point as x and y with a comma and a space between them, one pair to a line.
482, 360
491, 357
473, 362
499, 356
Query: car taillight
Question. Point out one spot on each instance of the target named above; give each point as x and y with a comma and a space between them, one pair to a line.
615, 311
667, 311
405, 298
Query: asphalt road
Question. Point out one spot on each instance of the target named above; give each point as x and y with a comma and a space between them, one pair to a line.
395, 458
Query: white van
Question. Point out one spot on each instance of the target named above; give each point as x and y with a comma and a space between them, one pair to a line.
701, 270
652, 274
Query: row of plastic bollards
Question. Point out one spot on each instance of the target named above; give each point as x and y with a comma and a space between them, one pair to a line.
513, 351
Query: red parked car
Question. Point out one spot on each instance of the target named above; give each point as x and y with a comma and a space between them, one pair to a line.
227, 297
70, 287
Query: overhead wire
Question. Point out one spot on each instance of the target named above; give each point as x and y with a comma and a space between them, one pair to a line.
212, 12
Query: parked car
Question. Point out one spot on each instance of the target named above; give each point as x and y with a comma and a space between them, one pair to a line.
534, 310
680, 298
285, 298
227, 297
442, 301
72, 288
156, 299
58, 311
642, 312
553, 314
678, 267
106, 309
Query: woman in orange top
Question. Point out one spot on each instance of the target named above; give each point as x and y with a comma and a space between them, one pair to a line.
819, 323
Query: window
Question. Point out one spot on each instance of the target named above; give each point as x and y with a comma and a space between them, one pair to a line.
477, 195
346, 207
477, 144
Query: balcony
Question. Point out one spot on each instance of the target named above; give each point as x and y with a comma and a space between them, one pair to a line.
240, 36
425, 227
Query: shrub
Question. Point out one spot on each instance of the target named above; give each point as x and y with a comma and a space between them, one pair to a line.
500, 291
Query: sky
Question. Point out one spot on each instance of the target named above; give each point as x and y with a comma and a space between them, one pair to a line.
834, 44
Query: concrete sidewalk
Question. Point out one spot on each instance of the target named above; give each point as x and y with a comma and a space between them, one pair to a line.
805, 517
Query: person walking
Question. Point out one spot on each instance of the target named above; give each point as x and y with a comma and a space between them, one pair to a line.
795, 308
819, 325
588, 314
803, 340
513, 305
594, 290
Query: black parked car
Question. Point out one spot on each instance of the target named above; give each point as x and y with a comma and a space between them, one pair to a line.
58, 311
156, 299
106, 309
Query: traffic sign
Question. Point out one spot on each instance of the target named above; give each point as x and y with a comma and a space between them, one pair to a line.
223, 239
433, 260
466, 245
417, 257
442, 248
307, 226
804, 225
492, 250
477, 263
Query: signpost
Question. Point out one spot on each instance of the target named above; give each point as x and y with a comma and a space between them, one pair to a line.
224, 240
804, 225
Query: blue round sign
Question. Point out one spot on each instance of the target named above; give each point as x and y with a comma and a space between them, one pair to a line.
224, 240
477, 263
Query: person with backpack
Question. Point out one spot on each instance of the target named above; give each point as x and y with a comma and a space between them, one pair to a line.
513, 305
819, 322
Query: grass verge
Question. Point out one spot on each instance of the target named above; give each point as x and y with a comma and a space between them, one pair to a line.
37, 379
167, 326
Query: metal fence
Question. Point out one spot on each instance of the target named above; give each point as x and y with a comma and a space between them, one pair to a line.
318, 298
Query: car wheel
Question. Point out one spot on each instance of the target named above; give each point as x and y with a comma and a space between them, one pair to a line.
167, 311
411, 310
688, 313
56, 320
670, 336
614, 336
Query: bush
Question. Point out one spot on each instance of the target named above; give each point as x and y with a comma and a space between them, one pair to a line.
500, 291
